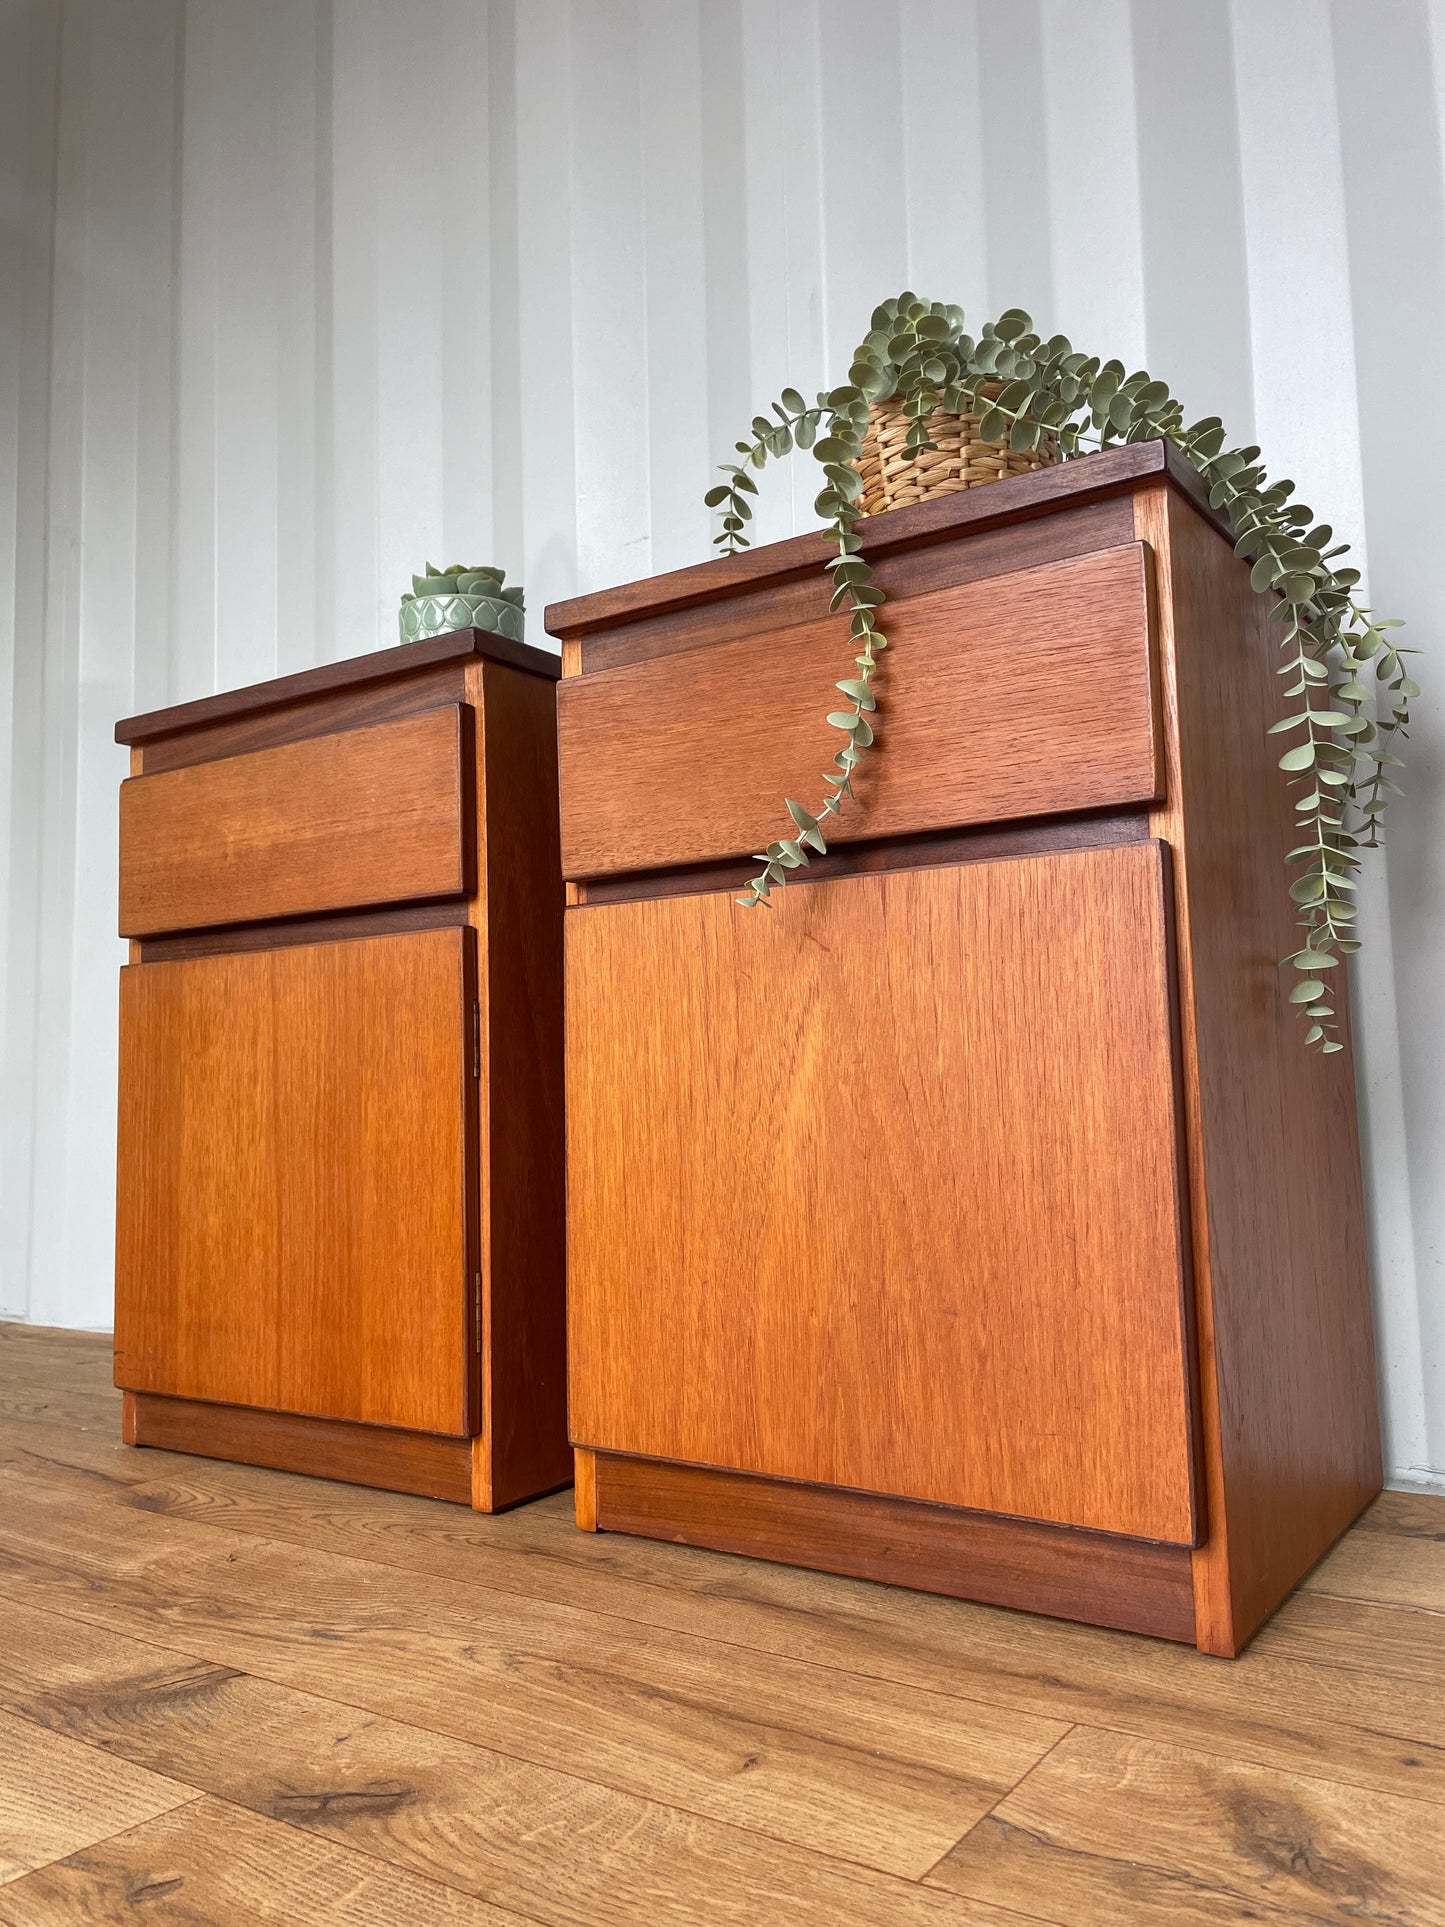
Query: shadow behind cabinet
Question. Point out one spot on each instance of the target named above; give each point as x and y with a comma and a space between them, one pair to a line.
975, 1217
339, 1216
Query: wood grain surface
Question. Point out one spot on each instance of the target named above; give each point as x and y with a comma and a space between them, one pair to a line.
927, 850
1135, 1584
523, 1255
366, 816
57, 1795
1287, 1351
765, 1194
1404, 1566
1360, 1633
291, 1202
584, 1489
555, 1846
1359, 1724
221, 1628
388, 1456
883, 1775
389, 920
210, 1863
1139, 1831
784, 601
999, 721
369, 703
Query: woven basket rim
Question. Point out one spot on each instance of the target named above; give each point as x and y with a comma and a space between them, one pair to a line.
893, 478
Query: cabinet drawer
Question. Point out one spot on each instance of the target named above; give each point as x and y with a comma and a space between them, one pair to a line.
1020, 695
369, 816
882, 1190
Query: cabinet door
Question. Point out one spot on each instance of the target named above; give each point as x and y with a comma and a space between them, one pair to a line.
292, 1179
880, 1188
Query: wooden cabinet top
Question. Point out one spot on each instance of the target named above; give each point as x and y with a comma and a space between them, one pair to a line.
1115, 471
334, 678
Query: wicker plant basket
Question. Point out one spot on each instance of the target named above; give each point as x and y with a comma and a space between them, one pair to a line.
961, 459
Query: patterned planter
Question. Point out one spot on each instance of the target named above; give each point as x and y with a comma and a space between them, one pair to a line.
458, 598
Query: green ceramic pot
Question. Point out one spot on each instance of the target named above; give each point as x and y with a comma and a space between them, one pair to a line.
458, 598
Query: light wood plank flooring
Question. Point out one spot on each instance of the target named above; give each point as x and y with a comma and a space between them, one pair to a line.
230, 1695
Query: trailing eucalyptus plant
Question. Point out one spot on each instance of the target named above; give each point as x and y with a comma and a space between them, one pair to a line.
1339, 766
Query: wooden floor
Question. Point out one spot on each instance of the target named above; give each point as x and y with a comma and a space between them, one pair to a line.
231, 1695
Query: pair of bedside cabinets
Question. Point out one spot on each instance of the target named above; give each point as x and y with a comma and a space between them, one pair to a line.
973, 1219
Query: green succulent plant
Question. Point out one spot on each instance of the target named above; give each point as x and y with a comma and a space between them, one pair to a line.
1347, 692
461, 598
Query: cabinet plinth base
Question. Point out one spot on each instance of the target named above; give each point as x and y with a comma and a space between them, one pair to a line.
429, 1464
1135, 1585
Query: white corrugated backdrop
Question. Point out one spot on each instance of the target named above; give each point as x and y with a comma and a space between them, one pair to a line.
297, 293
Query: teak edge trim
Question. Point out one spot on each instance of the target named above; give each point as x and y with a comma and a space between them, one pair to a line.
1071, 1572
457, 645
431, 1465
1112, 471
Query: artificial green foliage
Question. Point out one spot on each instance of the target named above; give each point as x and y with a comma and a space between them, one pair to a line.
1346, 690
460, 598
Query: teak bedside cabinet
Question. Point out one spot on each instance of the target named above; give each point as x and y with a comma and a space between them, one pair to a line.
339, 1241
976, 1217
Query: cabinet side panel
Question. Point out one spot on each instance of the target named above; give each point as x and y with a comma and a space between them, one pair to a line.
524, 1365
1287, 1352
878, 1190
290, 1208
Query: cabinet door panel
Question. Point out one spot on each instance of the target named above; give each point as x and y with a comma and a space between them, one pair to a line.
291, 1224
879, 1188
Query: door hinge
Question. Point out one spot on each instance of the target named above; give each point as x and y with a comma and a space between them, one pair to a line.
477, 1307
476, 1037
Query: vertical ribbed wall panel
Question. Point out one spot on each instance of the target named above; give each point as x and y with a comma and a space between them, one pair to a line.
298, 294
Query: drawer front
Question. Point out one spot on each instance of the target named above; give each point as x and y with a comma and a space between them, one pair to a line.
369, 816
291, 1180
1020, 695
882, 1190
